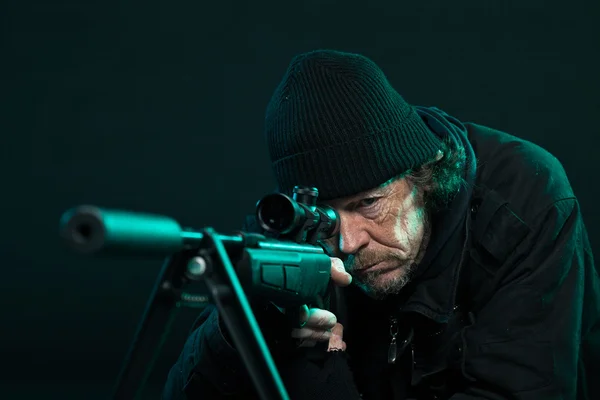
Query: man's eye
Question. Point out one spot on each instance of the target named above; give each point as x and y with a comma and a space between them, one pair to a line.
368, 202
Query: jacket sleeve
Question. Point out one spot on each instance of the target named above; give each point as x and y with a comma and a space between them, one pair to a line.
525, 342
208, 367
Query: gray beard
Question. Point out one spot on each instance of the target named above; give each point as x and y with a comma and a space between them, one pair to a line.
369, 284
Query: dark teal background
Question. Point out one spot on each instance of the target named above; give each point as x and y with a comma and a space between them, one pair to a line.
158, 107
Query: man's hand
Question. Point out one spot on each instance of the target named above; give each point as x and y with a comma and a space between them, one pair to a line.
321, 325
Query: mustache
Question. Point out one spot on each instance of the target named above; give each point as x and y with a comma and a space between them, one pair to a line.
366, 259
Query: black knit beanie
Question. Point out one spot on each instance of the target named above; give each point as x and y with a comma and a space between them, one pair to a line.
335, 123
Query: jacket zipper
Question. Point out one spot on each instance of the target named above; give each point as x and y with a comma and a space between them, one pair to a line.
393, 348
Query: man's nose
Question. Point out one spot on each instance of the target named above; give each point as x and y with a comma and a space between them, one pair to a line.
353, 236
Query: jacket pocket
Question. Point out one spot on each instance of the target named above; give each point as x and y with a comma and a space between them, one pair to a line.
514, 365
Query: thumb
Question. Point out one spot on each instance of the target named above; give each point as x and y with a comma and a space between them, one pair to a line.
338, 273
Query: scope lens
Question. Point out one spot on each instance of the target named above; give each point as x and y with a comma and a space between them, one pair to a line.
276, 212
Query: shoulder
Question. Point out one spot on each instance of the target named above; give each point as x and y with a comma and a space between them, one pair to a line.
529, 178
528, 216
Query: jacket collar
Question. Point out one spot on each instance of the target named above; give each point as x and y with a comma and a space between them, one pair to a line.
434, 286
434, 293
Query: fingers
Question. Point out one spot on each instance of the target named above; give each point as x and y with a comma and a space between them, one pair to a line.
336, 341
317, 326
338, 330
338, 273
321, 319
310, 337
318, 335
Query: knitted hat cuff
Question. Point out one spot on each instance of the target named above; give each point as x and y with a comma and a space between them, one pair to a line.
361, 163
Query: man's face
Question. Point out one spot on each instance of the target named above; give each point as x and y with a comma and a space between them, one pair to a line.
383, 236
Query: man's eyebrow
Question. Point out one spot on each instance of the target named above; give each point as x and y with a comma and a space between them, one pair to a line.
379, 192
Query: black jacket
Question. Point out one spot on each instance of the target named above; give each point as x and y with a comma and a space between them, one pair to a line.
513, 312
